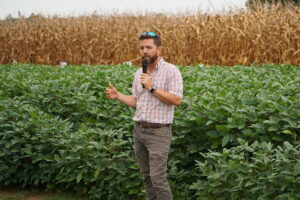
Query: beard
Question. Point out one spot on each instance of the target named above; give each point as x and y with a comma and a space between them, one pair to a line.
151, 59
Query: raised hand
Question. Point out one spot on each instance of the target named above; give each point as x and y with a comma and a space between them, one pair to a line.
111, 92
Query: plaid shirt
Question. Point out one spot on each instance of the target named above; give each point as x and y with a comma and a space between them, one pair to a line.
149, 108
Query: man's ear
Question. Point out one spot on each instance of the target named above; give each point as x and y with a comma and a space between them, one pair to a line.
160, 48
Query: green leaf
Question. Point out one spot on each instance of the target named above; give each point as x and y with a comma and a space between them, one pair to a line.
248, 133
288, 132
96, 174
241, 141
225, 140
192, 148
79, 176
277, 138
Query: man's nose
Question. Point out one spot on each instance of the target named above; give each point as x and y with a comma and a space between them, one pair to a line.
144, 51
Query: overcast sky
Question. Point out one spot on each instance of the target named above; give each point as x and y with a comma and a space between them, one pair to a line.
77, 7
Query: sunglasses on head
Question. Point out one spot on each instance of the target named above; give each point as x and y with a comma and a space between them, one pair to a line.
152, 34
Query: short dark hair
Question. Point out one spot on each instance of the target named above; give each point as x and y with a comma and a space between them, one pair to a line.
151, 35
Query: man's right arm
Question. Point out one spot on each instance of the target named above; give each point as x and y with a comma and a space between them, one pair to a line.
127, 100
112, 93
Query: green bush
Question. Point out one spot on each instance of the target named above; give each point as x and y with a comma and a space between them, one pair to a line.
58, 129
259, 171
222, 105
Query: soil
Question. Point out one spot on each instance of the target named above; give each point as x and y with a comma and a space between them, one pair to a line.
22, 194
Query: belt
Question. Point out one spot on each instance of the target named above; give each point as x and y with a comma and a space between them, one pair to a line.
152, 125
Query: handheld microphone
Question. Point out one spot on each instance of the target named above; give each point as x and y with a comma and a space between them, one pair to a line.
145, 65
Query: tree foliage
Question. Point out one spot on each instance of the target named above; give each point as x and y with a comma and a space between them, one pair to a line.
254, 3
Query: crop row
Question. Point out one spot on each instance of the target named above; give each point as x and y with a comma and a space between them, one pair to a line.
58, 130
263, 35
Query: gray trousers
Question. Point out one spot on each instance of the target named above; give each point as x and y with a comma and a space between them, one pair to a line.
151, 147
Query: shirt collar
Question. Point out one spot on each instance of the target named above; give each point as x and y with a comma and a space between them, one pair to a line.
159, 64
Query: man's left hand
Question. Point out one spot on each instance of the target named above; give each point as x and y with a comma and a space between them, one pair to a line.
146, 81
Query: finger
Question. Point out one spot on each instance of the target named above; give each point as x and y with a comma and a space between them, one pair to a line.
110, 86
144, 79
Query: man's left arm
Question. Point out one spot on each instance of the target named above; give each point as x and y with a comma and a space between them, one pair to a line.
175, 88
167, 97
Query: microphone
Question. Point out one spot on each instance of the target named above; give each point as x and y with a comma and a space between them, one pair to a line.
145, 65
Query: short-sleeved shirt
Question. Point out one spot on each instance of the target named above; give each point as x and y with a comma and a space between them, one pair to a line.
149, 108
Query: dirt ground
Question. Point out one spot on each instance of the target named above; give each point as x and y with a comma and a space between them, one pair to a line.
13, 194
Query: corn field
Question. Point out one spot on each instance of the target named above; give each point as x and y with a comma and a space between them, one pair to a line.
262, 35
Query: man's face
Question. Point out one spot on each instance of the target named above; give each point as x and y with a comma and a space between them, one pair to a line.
149, 50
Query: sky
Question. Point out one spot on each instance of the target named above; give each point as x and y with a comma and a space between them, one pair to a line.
85, 7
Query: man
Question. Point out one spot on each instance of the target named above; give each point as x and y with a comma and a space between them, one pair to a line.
154, 95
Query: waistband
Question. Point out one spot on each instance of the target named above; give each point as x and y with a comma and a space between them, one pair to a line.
151, 125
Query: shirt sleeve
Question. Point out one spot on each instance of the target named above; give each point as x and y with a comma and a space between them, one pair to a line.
175, 82
134, 86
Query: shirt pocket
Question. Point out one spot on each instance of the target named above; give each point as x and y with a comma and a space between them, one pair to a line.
160, 82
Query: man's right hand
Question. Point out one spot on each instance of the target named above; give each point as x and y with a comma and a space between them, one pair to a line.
111, 92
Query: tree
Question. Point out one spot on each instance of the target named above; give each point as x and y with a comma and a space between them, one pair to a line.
254, 3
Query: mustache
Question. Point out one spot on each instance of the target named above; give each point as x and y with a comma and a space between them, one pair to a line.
143, 57
151, 59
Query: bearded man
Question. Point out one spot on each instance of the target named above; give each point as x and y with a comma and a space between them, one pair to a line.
154, 95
